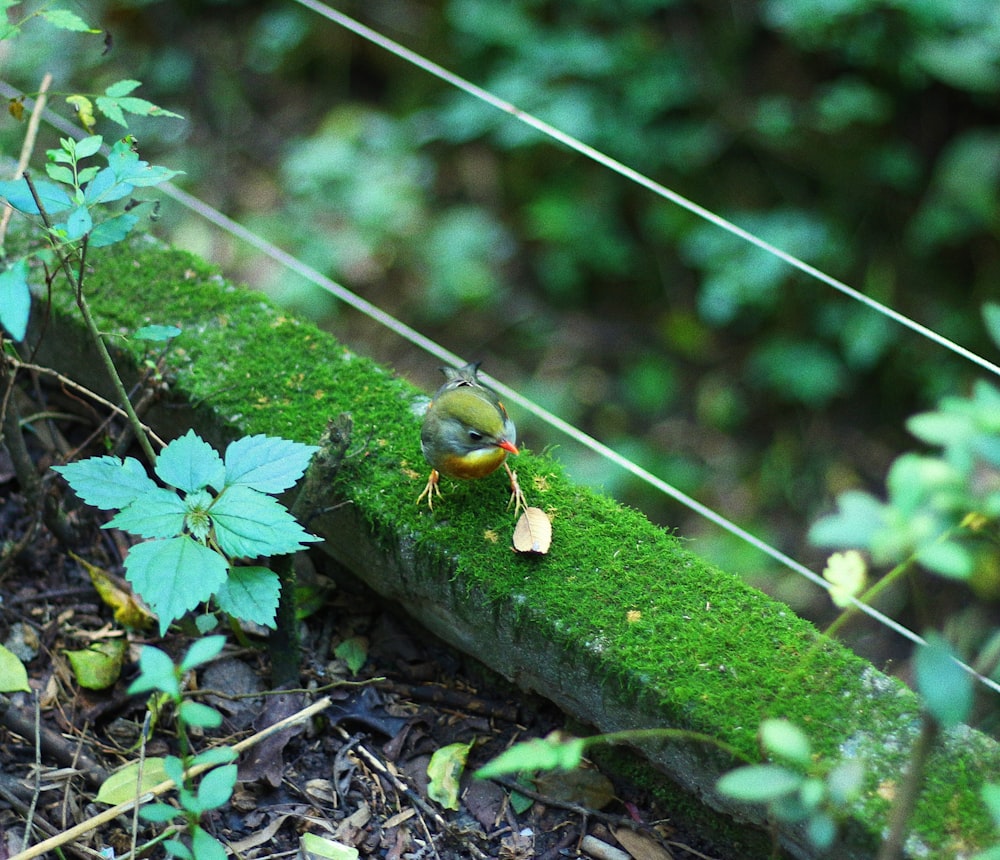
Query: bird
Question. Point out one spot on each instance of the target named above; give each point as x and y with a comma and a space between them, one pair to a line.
467, 433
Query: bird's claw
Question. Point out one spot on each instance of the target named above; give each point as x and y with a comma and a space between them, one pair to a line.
431, 489
516, 493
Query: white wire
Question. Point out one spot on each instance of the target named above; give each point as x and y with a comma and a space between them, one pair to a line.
410, 334
637, 177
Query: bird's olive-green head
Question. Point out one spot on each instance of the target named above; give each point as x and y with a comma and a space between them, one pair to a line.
466, 432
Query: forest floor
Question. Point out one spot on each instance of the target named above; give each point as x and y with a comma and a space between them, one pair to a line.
355, 774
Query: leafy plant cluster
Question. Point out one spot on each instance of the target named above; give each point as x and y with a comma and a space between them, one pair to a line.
214, 511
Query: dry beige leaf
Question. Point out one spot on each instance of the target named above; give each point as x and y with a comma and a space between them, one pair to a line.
533, 532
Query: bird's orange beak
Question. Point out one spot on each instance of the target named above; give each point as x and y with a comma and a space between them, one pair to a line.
508, 446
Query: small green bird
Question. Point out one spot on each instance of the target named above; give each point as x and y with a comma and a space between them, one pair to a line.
467, 434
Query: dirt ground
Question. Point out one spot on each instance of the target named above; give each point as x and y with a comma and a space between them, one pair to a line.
355, 773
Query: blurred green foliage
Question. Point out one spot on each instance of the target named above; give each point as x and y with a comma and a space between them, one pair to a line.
860, 134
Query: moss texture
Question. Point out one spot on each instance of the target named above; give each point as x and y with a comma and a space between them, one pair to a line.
646, 621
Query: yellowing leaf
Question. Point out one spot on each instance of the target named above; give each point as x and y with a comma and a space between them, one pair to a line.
99, 666
847, 573
13, 675
533, 532
84, 111
129, 612
445, 770
124, 783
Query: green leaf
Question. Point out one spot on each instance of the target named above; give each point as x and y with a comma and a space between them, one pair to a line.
445, 772
948, 558
845, 781
106, 187
78, 223
88, 146
66, 20
250, 524
266, 463
60, 173
100, 666
945, 686
313, 847
156, 333
216, 787
157, 513
109, 107
354, 652
174, 575
201, 651
107, 482
216, 755
121, 88
204, 846
991, 797
113, 230
159, 813
190, 463
759, 783
250, 594
860, 517
549, 753
821, 830
156, 672
15, 299
197, 714
53, 197
13, 675
176, 848
125, 783
786, 740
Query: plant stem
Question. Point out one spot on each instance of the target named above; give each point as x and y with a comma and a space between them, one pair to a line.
909, 790
76, 282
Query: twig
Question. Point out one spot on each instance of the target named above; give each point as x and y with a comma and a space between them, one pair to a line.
76, 386
30, 135
112, 813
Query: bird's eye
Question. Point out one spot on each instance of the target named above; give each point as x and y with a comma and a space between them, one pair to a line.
475, 436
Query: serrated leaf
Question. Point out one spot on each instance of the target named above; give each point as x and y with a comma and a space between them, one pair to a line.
99, 666
268, 464
250, 594
760, 783
157, 513
847, 573
66, 20
107, 482
784, 739
121, 88
249, 524
549, 753
53, 197
109, 107
190, 463
445, 771
13, 675
174, 575
946, 688
15, 299
113, 230
201, 651
126, 783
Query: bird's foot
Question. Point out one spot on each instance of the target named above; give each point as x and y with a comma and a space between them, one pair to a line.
517, 498
431, 489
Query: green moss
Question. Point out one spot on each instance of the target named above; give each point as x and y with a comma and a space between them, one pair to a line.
654, 624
